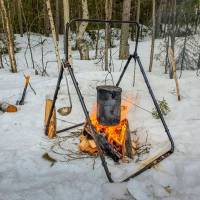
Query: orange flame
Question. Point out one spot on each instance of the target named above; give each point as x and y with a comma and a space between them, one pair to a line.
115, 135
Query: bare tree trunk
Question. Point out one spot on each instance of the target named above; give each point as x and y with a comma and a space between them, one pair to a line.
138, 11
66, 20
10, 39
97, 6
28, 29
173, 24
166, 33
158, 24
172, 33
53, 32
1, 61
138, 6
19, 12
57, 20
82, 46
166, 58
1, 38
153, 35
46, 20
124, 46
108, 12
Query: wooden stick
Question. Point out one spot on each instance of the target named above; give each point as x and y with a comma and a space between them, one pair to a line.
172, 62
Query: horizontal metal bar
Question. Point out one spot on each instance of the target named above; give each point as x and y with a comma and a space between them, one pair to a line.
69, 128
68, 26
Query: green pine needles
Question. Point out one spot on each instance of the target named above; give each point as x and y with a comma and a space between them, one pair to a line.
164, 107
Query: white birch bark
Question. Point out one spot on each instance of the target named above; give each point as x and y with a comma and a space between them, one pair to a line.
138, 11
9, 35
19, 13
124, 46
82, 46
53, 30
66, 10
57, 20
108, 12
153, 35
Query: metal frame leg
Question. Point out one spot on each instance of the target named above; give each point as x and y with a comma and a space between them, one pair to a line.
171, 150
93, 132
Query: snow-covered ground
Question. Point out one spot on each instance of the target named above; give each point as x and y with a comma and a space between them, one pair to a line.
25, 175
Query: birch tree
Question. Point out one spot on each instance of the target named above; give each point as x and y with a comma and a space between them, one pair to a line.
1, 39
153, 34
81, 44
53, 32
66, 10
9, 34
1, 61
57, 20
138, 11
108, 12
172, 32
159, 13
124, 46
19, 13
46, 20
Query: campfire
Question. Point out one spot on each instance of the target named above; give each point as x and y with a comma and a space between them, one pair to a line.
109, 118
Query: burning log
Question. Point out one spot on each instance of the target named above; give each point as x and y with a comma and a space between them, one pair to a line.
110, 124
115, 141
106, 147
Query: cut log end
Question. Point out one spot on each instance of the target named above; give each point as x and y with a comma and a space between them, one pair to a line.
11, 108
6, 107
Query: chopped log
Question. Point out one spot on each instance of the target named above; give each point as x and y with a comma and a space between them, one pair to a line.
87, 146
52, 124
128, 143
6, 107
173, 63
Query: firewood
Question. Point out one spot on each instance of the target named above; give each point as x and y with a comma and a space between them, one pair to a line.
87, 146
6, 107
128, 143
134, 145
92, 144
52, 125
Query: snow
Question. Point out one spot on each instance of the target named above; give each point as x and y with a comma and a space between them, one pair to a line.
25, 175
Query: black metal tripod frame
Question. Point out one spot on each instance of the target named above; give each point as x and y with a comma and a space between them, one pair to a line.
66, 65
